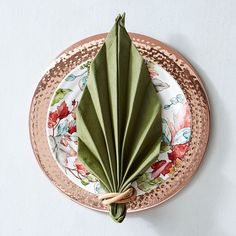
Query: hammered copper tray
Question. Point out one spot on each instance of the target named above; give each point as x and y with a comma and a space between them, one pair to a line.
159, 53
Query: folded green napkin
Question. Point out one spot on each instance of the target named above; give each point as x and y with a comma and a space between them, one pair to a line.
118, 117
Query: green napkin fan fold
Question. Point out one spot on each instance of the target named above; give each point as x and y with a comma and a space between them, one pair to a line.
118, 117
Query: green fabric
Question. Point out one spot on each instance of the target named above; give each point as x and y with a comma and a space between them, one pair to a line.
118, 117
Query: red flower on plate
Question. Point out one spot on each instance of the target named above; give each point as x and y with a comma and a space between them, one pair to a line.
63, 110
161, 167
73, 102
80, 168
178, 151
71, 128
52, 119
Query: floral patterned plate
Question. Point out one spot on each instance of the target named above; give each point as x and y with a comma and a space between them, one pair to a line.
62, 136
185, 132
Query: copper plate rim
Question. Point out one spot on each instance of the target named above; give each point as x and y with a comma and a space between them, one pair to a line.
152, 42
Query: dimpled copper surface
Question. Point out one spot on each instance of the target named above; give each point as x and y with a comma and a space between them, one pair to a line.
172, 62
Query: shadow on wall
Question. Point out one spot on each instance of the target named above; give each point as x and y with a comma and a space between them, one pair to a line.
185, 214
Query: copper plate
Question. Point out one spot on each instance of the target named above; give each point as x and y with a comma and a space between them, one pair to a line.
159, 53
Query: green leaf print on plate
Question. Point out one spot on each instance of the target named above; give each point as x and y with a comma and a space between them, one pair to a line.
146, 182
59, 95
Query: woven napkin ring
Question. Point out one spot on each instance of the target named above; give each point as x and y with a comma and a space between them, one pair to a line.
127, 196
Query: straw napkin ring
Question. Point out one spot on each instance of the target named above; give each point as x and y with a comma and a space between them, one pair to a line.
127, 196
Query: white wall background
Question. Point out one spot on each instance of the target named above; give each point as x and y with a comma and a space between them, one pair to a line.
34, 32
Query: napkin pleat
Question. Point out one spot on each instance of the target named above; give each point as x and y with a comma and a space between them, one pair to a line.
96, 141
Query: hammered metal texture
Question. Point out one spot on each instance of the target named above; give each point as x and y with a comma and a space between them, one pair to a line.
159, 53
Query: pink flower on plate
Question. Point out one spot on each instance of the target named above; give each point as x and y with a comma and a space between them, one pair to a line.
182, 119
80, 168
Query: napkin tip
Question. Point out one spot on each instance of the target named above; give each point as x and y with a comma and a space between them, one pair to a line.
120, 19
